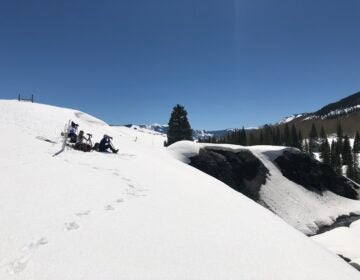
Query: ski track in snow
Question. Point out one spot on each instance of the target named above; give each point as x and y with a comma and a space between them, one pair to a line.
18, 265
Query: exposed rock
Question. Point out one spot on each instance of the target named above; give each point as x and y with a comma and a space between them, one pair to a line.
240, 170
341, 221
314, 175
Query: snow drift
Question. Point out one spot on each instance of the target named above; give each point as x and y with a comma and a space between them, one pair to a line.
140, 214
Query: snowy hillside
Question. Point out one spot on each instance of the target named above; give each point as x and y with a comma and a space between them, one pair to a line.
303, 209
344, 241
139, 214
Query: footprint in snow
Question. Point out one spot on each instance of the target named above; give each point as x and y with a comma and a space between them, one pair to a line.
126, 156
19, 264
71, 226
119, 200
109, 208
84, 213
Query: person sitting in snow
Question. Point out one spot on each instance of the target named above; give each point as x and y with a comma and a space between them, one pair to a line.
72, 132
83, 143
106, 144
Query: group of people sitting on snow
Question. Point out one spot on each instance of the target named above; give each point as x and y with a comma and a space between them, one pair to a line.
83, 143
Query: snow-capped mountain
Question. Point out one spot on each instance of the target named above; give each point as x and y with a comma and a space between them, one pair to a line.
291, 118
138, 214
343, 107
197, 133
345, 111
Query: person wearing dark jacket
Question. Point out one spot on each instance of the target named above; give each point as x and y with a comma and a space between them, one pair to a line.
72, 132
106, 144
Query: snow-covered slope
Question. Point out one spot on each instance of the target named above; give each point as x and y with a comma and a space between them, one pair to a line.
301, 208
344, 241
140, 214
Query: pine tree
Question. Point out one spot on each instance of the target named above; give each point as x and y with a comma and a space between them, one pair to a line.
352, 169
339, 134
346, 151
313, 136
294, 137
356, 147
301, 145
179, 126
277, 137
252, 139
323, 135
287, 135
335, 160
339, 131
243, 138
261, 137
268, 135
325, 152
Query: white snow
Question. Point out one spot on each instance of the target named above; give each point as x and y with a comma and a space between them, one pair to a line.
140, 214
290, 118
344, 241
301, 208
334, 113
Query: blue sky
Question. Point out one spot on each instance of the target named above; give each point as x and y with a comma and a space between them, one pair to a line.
230, 63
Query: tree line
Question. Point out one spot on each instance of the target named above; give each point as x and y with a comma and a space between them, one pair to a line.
338, 154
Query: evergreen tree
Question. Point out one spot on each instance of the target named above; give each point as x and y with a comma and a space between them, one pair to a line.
313, 136
287, 135
339, 131
179, 126
267, 135
243, 138
335, 160
311, 149
325, 152
301, 145
294, 141
346, 151
356, 147
339, 134
261, 141
277, 137
323, 135
252, 139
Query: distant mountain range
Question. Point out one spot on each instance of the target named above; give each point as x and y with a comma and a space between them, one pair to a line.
345, 111
197, 133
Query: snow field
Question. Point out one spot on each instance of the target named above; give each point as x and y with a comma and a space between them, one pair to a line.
139, 214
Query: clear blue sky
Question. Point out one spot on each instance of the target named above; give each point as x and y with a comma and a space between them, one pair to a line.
230, 63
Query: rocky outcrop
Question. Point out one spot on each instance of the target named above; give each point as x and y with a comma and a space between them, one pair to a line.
240, 170
314, 175
341, 221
